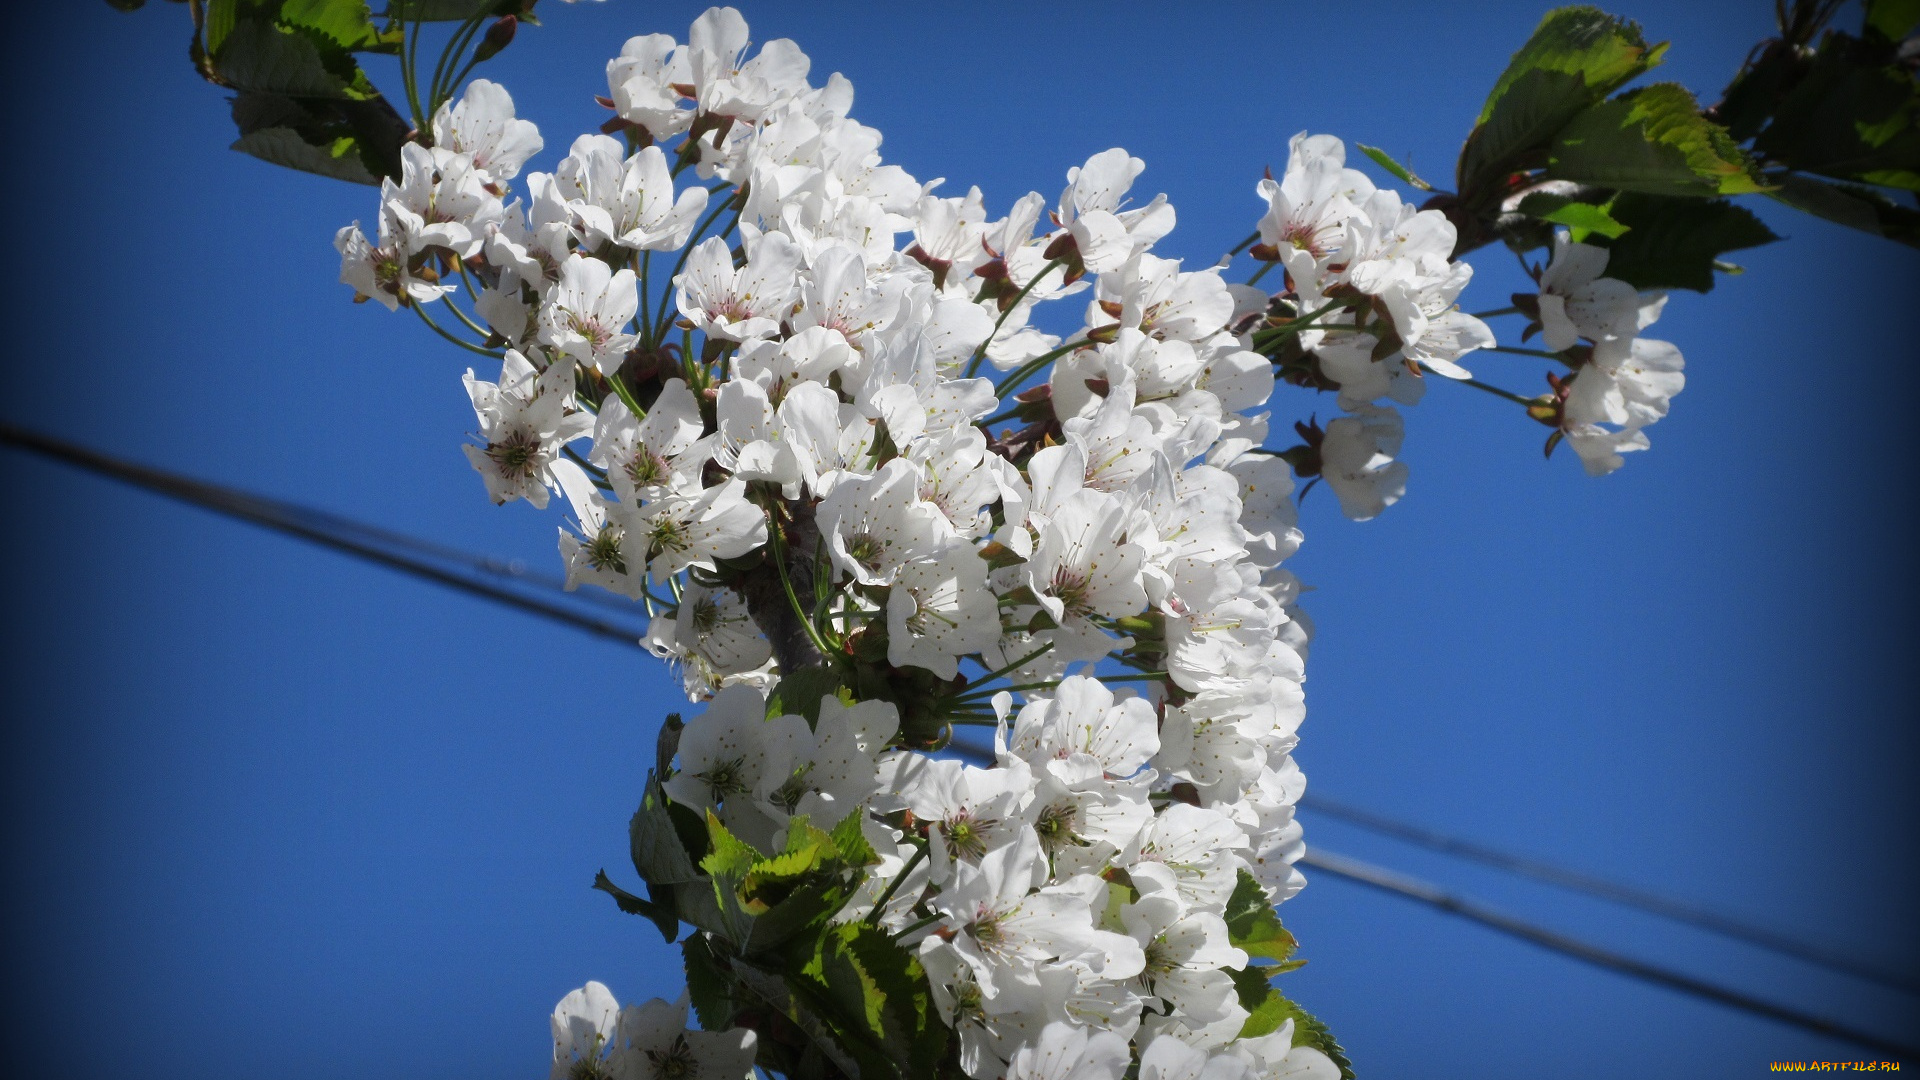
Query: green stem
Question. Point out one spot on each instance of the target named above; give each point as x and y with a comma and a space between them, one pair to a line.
1048, 685
786, 582
409, 56
1513, 350
873, 917
1260, 273
594, 472
980, 353
1015, 666
1494, 390
467, 321
1496, 311
1026, 370
437, 90
921, 925
1244, 244
645, 325
626, 396
419, 310
1307, 322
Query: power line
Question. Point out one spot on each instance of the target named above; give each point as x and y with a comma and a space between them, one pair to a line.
327, 530
1432, 895
338, 534
1574, 880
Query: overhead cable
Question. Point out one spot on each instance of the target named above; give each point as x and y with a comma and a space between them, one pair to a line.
367, 542
1386, 880
1591, 885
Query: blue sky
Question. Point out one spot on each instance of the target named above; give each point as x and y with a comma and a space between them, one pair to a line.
268, 809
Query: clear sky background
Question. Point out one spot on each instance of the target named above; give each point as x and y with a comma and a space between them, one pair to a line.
271, 811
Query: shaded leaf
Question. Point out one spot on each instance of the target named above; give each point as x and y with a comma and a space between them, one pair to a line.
1854, 116
658, 854
1851, 205
781, 997
1253, 925
344, 139
1652, 140
1893, 19
800, 692
285, 147
803, 909
662, 917
707, 986
1673, 243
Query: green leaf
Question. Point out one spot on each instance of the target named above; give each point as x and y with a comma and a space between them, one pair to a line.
1673, 243
850, 841
707, 985
662, 917
1308, 1031
873, 994
1266, 1008
806, 847
1399, 171
347, 23
803, 912
658, 855
1851, 205
800, 692
1852, 116
1893, 19
910, 1024
1253, 925
1583, 218
728, 863
1652, 140
727, 853
221, 16
262, 57
1575, 58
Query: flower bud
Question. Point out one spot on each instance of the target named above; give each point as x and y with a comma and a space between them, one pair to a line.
498, 37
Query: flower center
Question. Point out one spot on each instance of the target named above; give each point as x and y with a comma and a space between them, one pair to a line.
1055, 826
674, 1062
646, 469
723, 778
516, 455
966, 835
603, 551
1072, 587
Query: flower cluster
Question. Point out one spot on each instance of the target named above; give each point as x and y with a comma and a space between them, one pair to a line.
1368, 312
1621, 382
812, 415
